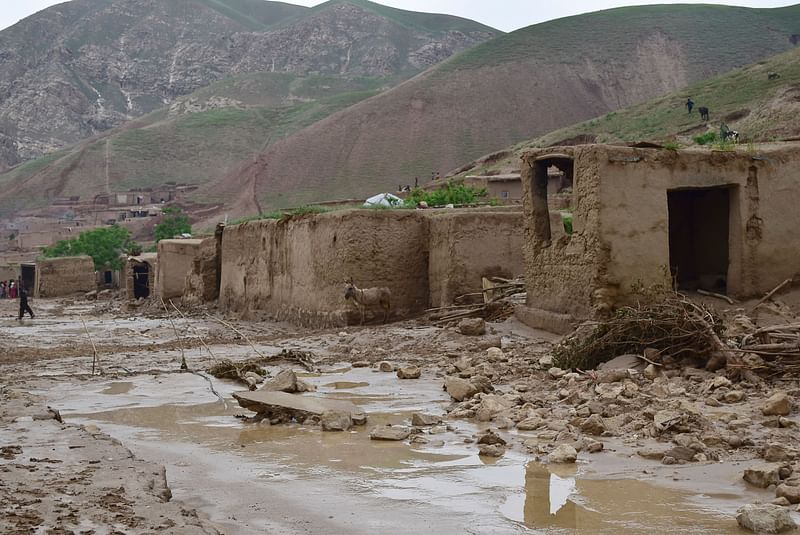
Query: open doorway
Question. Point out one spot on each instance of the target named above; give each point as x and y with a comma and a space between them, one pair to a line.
141, 281
699, 235
28, 277
552, 174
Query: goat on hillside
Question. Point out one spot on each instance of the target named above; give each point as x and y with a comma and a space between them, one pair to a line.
369, 297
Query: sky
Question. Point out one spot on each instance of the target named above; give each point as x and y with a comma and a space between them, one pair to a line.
506, 15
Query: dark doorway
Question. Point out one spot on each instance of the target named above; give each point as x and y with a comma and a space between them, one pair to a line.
550, 175
699, 234
141, 281
108, 277
28, 277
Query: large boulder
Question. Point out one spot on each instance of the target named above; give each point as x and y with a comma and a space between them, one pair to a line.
765, 518
419, 419
459, 389
563, 454
762, 476
409, 372
490, 406
790, 492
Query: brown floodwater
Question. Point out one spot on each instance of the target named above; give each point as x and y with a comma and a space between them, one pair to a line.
256, 478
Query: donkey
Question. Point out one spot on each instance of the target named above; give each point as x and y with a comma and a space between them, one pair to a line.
704, 116
369, 297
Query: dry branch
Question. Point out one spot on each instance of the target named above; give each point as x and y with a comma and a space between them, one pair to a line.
184, 366
95, 358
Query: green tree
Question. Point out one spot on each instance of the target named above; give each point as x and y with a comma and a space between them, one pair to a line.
105, 245
173, 223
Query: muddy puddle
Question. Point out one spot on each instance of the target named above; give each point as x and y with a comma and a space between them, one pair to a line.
254, 478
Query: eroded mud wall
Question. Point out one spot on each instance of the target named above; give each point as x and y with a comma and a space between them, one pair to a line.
65, 276
202, 283
295, 269
466, 245
175, 262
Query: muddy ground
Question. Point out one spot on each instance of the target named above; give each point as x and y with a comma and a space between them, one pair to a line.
145, 447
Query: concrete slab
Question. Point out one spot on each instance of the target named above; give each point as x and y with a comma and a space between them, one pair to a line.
263, 401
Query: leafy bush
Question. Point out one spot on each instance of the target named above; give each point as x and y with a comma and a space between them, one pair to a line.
705, 139
104, 245
448, 194
672, 145
567, 220
173, 223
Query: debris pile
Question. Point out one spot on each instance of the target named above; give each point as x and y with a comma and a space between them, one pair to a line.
499, 297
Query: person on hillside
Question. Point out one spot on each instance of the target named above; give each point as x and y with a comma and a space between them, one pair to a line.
23, 303
689, 104
2, 289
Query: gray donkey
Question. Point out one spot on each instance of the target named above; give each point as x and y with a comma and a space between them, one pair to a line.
369, 297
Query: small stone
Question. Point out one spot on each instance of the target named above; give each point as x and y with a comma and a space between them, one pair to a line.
472, 326
390, 432
595, 447
491, 438
651, 453
491, 450
495, 354
609, 391
287, 381
790, 492
546, 362
335, 421
734, 396
563, 454
490, 406
529, 424
681, 453
556, 373
777, 405
765, 518
594, 425
651, 372
713, 402
386, 367
669, 460
663, 420
361, 364
419, 419
409, 372
775, 453
782, 501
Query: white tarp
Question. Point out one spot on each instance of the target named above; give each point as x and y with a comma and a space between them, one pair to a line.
384, 199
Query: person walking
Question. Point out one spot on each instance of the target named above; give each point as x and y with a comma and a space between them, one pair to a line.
12, 290
23, 303
689, 104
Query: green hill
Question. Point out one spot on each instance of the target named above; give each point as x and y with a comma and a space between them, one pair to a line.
746, 100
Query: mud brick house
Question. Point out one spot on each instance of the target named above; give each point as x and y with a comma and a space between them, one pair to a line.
717, 220
57, 277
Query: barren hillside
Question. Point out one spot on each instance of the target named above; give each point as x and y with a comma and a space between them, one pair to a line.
512, 88
80, 68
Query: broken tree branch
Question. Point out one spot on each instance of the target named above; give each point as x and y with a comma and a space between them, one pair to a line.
95, 358
718, 296
184, 366
199, 336
775, 290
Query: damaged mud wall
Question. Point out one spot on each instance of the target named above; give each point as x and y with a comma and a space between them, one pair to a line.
140, 275
642, 218
57, 277
175, 262
9, 272
202, 282
467, 245
295, 269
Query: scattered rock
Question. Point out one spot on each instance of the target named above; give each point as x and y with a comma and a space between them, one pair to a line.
546, 362
529, 424
335, 421
651, 453
459, 389
680, 453
777, 405
762, 476
495, 354
386, 367
472, 326
491, 450
783, 502
91, 296
595, 447
790, 492
287, 381
361, 364
765, 518
734, 396
419, 419
390, 432
556, 373
775, 453
409, 372
563, 454
663, 420
594, 425
491, 438
490, 406
609, 391
651, 372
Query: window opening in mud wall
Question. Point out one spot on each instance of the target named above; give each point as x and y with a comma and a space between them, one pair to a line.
141, 281
699, 232
28, 276
550, 176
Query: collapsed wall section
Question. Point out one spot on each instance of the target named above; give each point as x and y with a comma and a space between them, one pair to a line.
467, 245
202, 282
57, 277
295, 269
